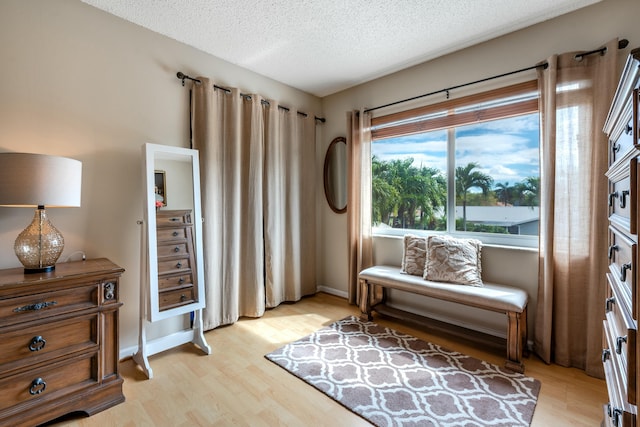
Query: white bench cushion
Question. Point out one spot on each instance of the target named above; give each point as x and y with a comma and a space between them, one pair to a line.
493, 297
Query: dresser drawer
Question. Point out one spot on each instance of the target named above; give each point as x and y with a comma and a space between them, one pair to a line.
622, 197
172, 218
173, 250
48, 382
47, 340
623, 255
34, 306
174, 281
622, 354
181, 265
622, 144
176, 298
169, 234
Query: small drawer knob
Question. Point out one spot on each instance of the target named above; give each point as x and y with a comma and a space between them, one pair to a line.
179, 265
183, 297
175, 233
181, 280
176, 249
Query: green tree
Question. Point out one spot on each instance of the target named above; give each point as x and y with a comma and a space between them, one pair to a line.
503, 193
466, 179
413, 194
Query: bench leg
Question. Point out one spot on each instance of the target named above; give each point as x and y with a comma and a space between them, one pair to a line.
365, 300
516, 339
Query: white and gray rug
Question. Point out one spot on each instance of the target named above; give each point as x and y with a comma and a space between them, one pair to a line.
393, 379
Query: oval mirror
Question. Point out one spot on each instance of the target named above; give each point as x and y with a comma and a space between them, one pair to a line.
335, 175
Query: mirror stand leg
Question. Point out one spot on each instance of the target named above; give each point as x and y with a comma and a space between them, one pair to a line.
198, 333
141, 355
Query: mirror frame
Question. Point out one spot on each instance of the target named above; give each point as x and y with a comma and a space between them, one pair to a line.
327, 160
167, 152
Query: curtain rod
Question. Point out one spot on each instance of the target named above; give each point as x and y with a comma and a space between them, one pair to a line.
182, 76
621, 45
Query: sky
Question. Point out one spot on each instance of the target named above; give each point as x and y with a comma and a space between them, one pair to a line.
506, 149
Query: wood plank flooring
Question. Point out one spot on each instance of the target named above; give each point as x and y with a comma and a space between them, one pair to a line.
237, 386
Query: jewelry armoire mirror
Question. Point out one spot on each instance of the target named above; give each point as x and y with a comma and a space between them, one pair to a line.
172, 272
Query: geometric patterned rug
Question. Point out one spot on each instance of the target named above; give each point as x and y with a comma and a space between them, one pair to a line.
394, 379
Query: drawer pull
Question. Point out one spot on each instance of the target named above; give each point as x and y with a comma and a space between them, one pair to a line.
37, 386
623, 198
608, 303
612, 196
619, 342
623, 271
628, 129
34, 307
109, 291
615, 147
181, 280
174, 234
617, 412
176, 249
174, 219
179, 265
606, 354
612, 248
183, 297
37, 343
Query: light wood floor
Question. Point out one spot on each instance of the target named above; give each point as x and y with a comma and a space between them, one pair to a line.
237, 386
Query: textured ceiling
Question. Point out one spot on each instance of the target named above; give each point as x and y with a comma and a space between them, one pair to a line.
324, 46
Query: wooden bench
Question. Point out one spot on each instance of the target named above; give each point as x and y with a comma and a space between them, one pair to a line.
499, 298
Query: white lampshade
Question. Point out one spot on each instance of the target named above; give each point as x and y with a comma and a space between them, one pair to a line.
39, 180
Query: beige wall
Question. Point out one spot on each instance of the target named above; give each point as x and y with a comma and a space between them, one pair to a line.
585, 29
78, 82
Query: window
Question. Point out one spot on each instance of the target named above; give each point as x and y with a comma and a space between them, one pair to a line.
463, 166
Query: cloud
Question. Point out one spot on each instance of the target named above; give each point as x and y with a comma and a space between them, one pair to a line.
507, 150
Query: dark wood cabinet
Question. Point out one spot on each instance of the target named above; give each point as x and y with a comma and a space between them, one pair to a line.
620, 327
59, 341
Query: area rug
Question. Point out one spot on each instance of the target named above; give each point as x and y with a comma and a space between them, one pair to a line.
394, 379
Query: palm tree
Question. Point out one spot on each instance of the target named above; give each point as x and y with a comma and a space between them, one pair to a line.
503, 191
467, 178
531, 191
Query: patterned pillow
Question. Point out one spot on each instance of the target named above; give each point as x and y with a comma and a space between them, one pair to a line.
414, 255
454, 260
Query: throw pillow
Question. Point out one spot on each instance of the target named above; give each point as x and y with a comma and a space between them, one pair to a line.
414, 254
454, 260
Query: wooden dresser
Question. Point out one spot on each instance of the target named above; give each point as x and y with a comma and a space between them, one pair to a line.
59, 342
176, 265
620, 337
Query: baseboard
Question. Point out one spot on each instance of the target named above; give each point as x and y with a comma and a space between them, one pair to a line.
332, 291
127, 352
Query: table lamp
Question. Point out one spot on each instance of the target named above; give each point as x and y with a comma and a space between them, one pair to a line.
37, 180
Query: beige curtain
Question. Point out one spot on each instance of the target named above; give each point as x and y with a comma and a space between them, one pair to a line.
358, 198
575, 98
228, 132
257, 170
289, 206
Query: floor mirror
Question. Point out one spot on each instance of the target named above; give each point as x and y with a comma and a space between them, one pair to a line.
172, 273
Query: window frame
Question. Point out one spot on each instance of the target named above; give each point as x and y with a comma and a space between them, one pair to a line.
445, 115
